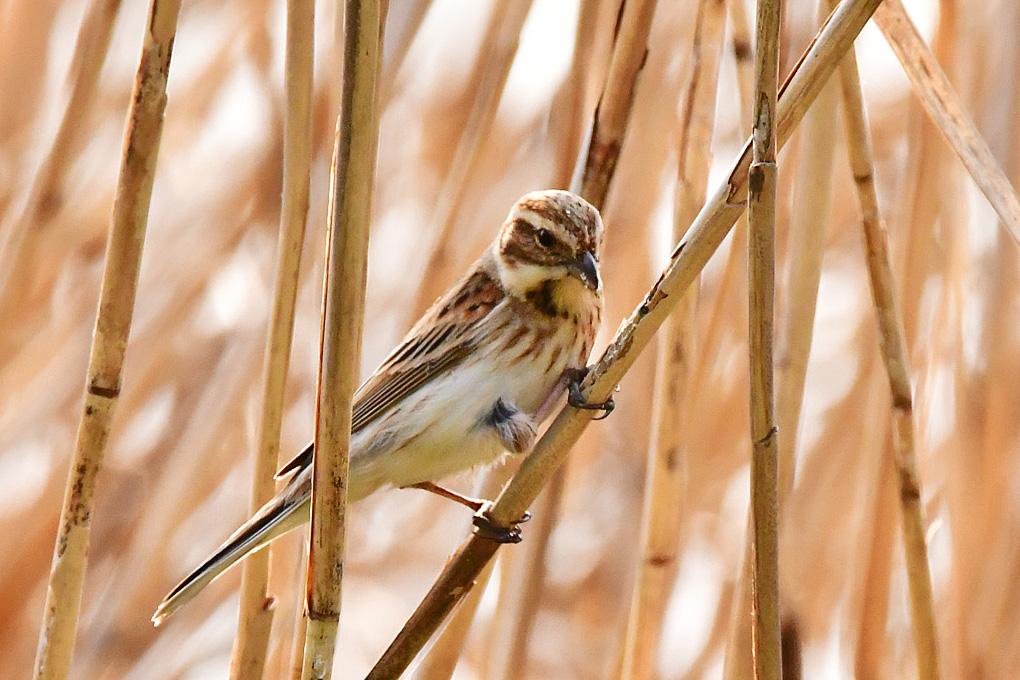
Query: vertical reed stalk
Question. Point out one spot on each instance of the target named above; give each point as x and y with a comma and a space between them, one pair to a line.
109, 339
255, 619
661, 518
690, 256
805, 252
894, 352
593, 176
761, 256
45, 197
343, 311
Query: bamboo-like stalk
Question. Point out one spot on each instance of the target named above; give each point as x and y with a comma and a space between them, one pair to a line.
343, 311
706, 233
44, 197
500, 41
806, 248
943, 105
807, 241
594, 172
661, 520
255, 618
761, 256
109, 339
894, 352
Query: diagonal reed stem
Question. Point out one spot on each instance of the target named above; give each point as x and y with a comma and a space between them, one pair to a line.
690, 256
943, 105
255, 619
109, 339
894, 353
343, 310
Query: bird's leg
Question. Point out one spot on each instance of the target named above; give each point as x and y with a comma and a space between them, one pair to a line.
473, 503
483, 525
577, 400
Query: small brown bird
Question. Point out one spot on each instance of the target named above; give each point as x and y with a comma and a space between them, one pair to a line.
473, 378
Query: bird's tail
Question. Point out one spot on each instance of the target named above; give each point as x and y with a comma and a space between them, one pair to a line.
286, 511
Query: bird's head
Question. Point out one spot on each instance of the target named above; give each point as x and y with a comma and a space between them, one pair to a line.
551, 238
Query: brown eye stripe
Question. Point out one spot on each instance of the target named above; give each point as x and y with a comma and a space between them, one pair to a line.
580, 223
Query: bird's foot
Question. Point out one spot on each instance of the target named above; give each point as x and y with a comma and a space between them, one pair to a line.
486, 528
577, 400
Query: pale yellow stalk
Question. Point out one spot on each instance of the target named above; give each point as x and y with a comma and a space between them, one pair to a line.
255, 619
343, 312
109, 339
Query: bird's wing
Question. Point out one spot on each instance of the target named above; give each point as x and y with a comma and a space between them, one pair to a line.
440, 340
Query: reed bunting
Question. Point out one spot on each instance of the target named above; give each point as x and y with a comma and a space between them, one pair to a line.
473, 378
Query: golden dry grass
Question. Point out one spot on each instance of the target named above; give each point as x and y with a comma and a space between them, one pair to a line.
453, 155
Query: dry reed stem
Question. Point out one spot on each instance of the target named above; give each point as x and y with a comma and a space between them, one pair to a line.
389, 78
661, 523
602, 146
523, 585
255, 618
487, 82
706, 233
732, 281
45, 195
874, 613
943, 105
805, 251
343, 310
592, 52
441, 660
761, 254
894, 352
592, 179
109, 340
740, 36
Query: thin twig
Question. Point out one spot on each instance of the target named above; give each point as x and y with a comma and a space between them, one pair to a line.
256, 612
109, 339
343, 311
894, 352
661, 520
761, 256
706, 233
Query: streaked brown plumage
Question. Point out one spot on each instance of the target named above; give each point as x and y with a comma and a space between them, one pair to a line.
469, 381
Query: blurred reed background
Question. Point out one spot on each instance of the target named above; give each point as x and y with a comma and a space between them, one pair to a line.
481, 102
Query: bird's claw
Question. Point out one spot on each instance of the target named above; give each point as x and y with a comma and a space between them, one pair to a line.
577, 400
486, 528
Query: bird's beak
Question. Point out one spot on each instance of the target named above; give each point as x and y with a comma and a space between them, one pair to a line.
586, 269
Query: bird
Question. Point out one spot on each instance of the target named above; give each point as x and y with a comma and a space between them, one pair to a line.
472, 379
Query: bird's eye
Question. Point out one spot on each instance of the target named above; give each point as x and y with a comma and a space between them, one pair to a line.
546, 239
